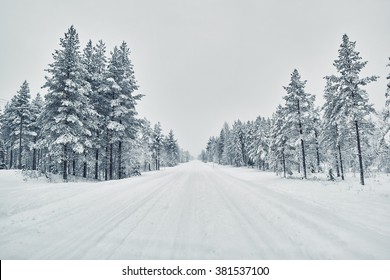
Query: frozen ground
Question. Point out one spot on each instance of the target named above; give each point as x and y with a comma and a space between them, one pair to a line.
195, 211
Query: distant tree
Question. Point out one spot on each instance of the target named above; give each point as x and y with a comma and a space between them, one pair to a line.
352, 99
172, 149
157, 144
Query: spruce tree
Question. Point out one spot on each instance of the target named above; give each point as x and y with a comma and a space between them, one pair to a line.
157, 144
299, 106
121, 83
67, 110
352, 100
21, 119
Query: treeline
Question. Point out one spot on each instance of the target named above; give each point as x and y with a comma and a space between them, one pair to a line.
87, 123
346, 134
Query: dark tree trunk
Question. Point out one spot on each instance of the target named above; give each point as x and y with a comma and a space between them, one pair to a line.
120, 160
74, 166
337, 165
20, 143
359, 153
106, 164
85, 169
317, 150
97, 164
111, 162
302, 144
34, 159
284, 165
11, 159
65, 164
341, 163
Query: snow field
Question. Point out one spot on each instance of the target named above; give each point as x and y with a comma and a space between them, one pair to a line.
195, 211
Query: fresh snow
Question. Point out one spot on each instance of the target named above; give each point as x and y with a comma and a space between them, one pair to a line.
195, 211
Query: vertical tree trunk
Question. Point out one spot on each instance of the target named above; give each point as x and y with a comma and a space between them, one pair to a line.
34, 159
302, 144
111, 162
337, 165
74, 165
284, 165
85, 169
97, 164
341, 162
106, 164
359, 153
120, 160
317, 150
11, 155
20, 143
65, 164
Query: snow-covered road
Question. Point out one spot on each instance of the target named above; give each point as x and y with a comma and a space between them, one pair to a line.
193, 211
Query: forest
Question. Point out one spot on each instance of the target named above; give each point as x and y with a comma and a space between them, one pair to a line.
345, 135
86, 125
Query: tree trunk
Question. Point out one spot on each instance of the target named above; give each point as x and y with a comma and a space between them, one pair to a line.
359, 153
337, 165
97, 164
317, 150
65, 164
34, 159
74, 166
120, 160
20, 143
284, 165
341, 163
111, 162
106, 164
11, 155
85, 169
302, 144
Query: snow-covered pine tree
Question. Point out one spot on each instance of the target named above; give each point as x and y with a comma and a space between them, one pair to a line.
21, 119
157, 144
280, 148
95, 63
299, 106
146, 137
121, 83
172, 149
35, 129
67, 109
237, 144
7, 128
352, 99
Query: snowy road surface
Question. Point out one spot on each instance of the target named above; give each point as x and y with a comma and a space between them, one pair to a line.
194, 211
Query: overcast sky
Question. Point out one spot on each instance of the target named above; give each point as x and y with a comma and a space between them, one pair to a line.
200, 63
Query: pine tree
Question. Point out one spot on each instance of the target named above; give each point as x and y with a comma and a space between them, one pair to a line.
172, 149
157, 144
21, 119
352, 99
281, 149
121, 84
67, 109
35, 128
299, 106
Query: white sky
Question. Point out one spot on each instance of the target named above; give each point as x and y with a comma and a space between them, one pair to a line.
199, 62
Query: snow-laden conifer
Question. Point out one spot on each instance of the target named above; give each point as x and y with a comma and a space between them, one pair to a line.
352, 100
67, 109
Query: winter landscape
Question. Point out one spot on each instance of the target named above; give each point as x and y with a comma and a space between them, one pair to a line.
253, 162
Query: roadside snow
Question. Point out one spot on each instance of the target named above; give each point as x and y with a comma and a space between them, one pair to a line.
195, 211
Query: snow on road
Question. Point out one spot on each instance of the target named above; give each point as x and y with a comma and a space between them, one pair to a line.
195, 211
